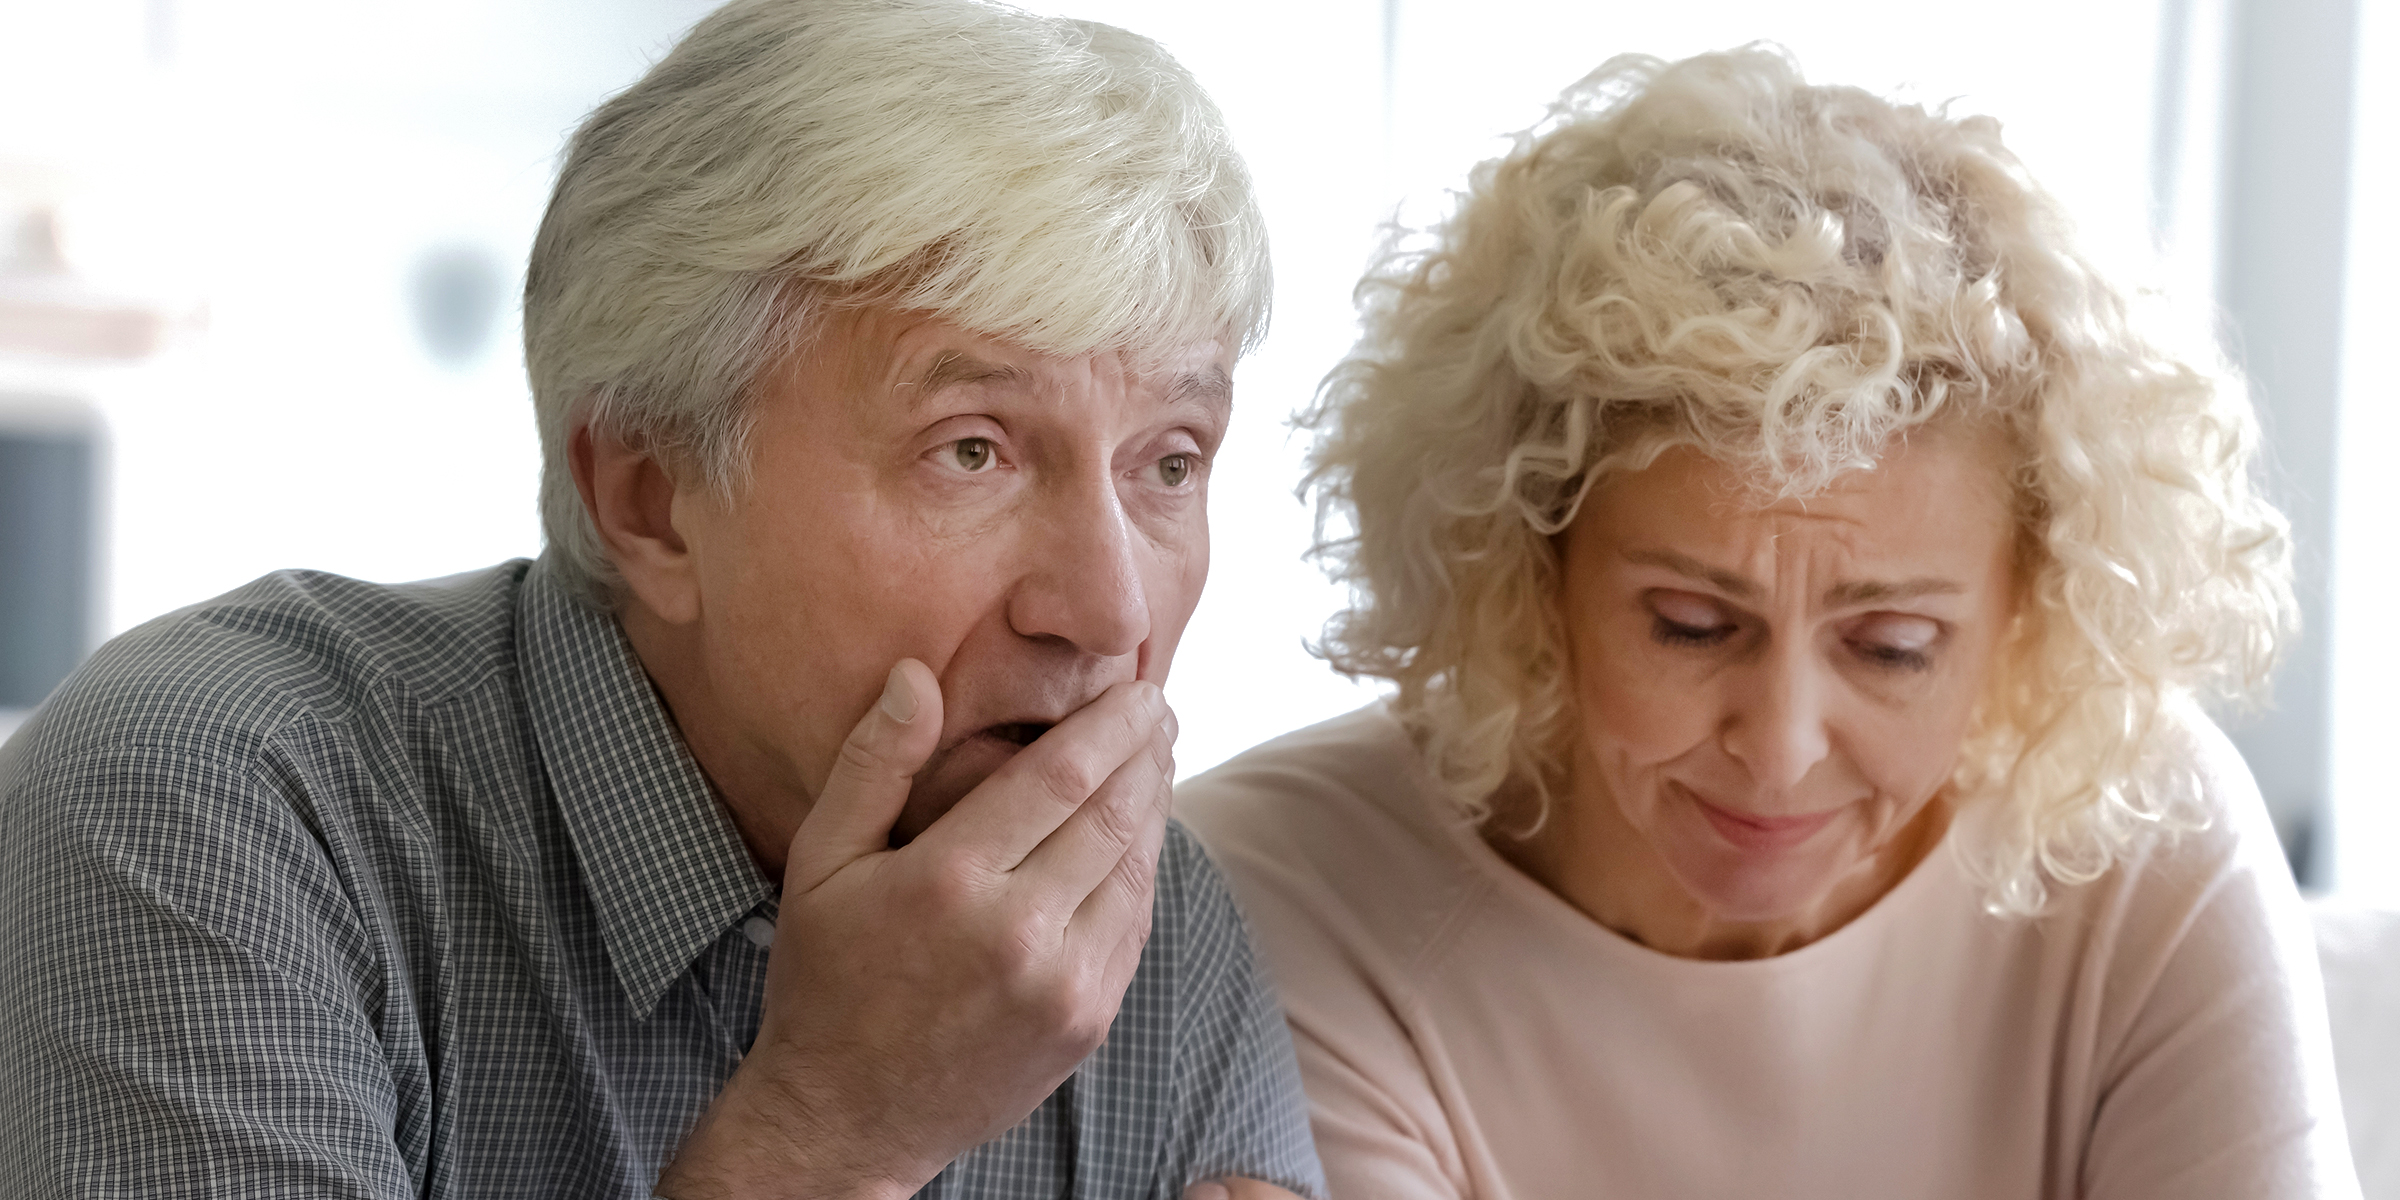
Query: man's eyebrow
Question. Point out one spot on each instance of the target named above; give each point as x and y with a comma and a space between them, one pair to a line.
1840, 595
1209, 387
953, 368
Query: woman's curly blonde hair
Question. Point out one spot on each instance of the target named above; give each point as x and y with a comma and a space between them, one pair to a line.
1712, 253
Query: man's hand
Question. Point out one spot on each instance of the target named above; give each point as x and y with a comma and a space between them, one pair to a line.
922, 1000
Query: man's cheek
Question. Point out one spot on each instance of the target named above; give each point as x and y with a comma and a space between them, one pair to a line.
1172, 599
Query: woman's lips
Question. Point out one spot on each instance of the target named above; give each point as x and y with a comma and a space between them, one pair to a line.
1753, 833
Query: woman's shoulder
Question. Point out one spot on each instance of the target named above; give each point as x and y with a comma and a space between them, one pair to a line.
2199, 1005
2217, 822
1352, 778
1333, 831
2208, 862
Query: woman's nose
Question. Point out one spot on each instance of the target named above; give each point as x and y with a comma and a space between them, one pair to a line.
1775, 726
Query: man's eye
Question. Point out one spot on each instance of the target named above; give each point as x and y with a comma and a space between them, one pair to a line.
974, 455
1174, 469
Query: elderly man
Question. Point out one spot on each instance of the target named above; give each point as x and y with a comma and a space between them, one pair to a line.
797, 824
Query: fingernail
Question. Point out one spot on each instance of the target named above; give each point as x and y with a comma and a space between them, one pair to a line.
899, 700
1174, 727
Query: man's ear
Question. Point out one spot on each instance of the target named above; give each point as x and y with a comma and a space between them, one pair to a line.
631, 500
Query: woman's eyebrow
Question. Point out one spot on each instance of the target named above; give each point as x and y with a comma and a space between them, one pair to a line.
1684, 564
1846, 595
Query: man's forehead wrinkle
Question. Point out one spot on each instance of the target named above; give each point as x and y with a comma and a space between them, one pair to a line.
954, 368
1209, 387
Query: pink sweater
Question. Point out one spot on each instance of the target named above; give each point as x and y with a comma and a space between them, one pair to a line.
1463, 1032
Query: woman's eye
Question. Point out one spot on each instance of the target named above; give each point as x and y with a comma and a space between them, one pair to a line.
1899, 643
973, 455
1893, 657
1174, 469
1678, 619
1676, 633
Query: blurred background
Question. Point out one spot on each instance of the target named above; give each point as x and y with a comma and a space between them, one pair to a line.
259, 262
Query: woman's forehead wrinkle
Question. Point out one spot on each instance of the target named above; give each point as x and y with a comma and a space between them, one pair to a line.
1816, 556
1890, 545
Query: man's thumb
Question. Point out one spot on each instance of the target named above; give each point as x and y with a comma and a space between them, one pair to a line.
863, 795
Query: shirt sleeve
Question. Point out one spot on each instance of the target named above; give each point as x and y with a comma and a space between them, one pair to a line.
2221, 1083
1237, 1107
183, 1006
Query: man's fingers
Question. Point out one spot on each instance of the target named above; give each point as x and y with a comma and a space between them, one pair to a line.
1126, 914
853, 813
1086, 849
1116, 914
1023, 802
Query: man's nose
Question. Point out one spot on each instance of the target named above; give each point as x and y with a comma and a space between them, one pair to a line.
1776, 723
1083, 583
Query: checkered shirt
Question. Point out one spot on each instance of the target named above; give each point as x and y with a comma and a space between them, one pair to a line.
329, 888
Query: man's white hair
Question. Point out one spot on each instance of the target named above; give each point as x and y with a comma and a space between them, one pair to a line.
1059, 184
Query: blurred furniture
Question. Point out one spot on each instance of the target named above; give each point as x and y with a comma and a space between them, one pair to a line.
49, 533
54, 323
46, 310
2360, 948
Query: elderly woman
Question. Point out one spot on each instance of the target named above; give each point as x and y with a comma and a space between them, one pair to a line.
1796, 571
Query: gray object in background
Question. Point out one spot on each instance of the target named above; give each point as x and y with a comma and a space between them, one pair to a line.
2285, 244
456, 293
49, 543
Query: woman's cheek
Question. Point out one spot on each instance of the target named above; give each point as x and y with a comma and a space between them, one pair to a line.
1641, 714
1910, 760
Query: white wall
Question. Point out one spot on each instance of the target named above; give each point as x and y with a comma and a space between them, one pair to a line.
2076, 106
2365, 706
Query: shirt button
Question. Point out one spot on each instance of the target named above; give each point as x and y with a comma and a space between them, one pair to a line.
760, 931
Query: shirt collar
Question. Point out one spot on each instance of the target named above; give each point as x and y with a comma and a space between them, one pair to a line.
661, 857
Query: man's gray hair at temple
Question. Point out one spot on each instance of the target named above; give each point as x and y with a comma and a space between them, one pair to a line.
1059, 184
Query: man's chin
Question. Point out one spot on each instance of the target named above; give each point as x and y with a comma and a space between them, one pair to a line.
947, 778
